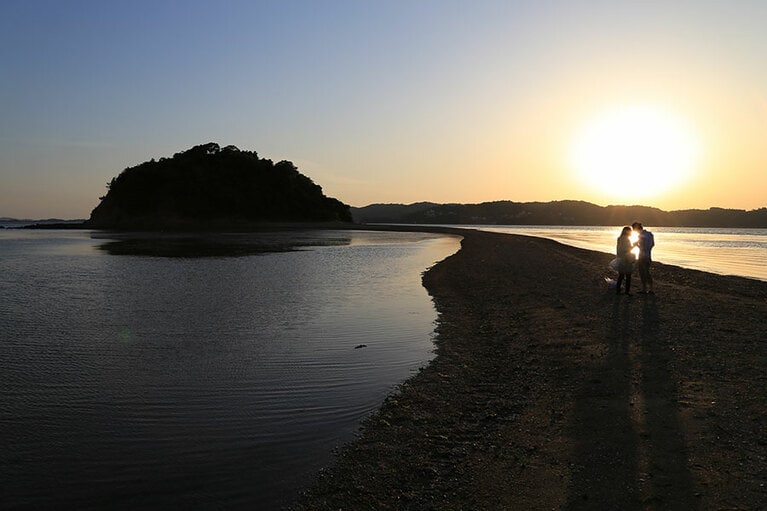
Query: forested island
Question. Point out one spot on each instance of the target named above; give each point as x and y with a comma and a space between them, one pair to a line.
212, 187
555, 213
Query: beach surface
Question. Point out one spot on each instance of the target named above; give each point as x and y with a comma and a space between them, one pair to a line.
548, 391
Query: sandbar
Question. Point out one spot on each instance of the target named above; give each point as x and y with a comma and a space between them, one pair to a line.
548, 391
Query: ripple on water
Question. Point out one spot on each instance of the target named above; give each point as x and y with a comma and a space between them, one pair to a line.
144, 381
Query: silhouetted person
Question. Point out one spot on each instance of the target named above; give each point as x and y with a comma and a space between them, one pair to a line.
625, 259
645, 243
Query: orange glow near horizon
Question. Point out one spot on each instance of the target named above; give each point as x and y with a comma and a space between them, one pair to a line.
659, 104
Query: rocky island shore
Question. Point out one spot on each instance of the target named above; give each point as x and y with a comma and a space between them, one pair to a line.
548, 391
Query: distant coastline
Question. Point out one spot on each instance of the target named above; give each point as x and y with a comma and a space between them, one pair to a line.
47, 223
565, 212
214, 188
501, 213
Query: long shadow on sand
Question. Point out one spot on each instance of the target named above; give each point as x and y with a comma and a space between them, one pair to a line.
663, 447
629, 449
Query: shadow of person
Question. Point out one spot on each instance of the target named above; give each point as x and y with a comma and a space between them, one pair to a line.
664, 459
630, 450
605, 467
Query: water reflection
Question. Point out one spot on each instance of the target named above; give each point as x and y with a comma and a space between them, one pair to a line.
164, 382
217, 244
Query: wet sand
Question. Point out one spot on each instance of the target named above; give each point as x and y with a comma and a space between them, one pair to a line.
548, 391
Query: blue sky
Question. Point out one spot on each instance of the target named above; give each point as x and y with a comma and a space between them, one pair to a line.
390, 101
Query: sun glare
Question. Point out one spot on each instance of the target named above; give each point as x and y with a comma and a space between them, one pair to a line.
634, 238
646, 149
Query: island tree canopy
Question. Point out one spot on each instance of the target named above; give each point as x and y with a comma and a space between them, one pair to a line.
210, 186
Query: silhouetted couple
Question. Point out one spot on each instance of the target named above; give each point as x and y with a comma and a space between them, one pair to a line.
626, 258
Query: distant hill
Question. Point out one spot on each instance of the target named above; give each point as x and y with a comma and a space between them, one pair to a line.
555, 213
389, 213
209, 186
47, 223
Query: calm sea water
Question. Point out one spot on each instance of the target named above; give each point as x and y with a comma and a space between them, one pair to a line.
140, 382
741, 252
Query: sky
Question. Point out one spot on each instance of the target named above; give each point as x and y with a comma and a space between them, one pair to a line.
612, 102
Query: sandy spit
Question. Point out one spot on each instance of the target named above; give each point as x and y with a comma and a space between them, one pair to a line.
548, 391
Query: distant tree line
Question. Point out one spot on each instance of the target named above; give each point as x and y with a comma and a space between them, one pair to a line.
555, 213
211, 186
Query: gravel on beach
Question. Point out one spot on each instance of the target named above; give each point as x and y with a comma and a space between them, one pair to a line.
549, 391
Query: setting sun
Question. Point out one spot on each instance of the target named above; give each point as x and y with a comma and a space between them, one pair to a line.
622, 145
